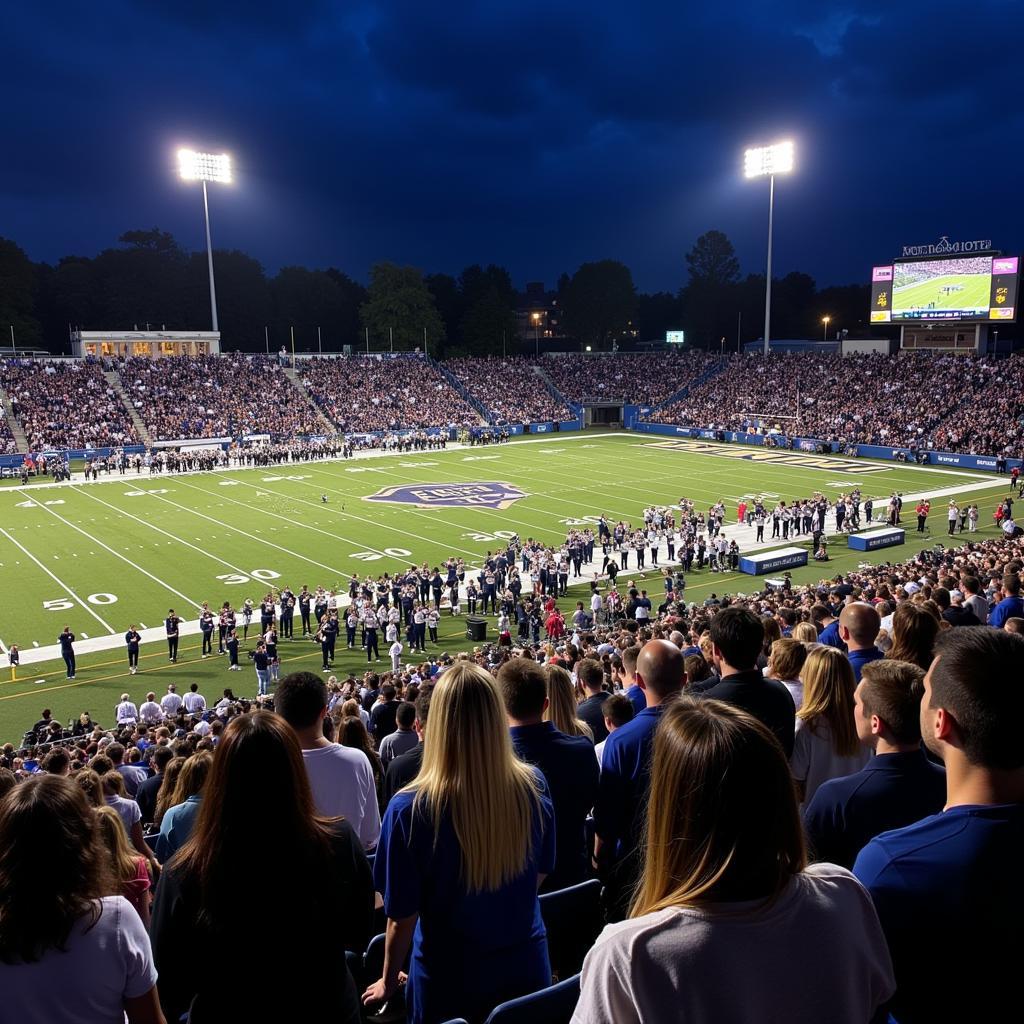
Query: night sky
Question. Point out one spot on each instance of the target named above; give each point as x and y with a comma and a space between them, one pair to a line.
534, 135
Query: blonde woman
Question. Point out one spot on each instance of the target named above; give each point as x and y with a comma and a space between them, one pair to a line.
561, 709
805, 633
130, 870
176, 825
826, 745
165, 798
725, 881
463, 850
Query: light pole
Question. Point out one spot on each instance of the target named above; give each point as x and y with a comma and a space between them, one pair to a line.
826, 320
536, 335
758, 162
206, 167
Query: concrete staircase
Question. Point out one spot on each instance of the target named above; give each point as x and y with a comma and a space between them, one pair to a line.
114, 380
460, 388
326, 425
12, 423
712, 371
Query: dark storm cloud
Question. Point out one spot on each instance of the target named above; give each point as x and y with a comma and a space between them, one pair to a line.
533, 134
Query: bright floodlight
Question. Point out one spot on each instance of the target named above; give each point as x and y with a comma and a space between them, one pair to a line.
761, 160
194, 166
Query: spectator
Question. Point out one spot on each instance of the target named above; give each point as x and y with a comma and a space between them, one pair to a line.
566, 761
826, 744
590, 675
178, 822
858, 629
354, 734
130, 870
785, 663
340, 778
954, 877
897, 787
725, 882
258, 809
625, 774
67, 951
149, 791
404, 737
736, 636
463, 847
561, 705
1011, 606
404, 769
618, 711
914, 629
383, 714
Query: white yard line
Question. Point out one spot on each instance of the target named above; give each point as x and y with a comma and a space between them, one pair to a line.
63, 586
134, 565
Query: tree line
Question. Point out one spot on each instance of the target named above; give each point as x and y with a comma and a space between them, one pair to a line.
149, 281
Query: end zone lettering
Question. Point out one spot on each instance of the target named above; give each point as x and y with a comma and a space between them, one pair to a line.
751, 454
494, 494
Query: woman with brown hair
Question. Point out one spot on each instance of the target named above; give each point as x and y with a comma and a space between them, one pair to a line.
316, 901
725, 882
561, 709
178, 820
352, 733
914, 629
826, 745
165, 797
68, 951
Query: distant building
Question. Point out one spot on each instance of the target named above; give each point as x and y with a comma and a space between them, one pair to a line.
538, 315
150, 344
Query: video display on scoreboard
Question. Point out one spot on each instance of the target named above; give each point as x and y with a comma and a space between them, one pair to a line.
970, 288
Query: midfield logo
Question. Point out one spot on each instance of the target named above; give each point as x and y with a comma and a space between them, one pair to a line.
483, 494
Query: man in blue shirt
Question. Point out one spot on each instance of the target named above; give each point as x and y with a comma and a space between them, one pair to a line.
859, 624
897, 787
567, 762
949, 890
621, 805
628, 675
1011, 606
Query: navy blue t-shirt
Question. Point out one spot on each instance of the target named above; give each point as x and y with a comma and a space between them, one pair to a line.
889, 792
471, 950
571, 771
949, 892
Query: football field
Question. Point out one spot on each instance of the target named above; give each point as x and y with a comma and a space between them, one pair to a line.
124, 550
951, 291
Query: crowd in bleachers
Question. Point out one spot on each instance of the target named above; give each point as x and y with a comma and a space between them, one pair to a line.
827, 775
919, 400
360, 394
215, 396
508, 389
66, 404
8, 446
640, 378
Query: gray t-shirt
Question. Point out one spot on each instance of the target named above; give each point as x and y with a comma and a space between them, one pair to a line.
89, 982
735, 962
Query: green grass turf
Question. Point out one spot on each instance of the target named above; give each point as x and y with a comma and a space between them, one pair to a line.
185, 539
975, 294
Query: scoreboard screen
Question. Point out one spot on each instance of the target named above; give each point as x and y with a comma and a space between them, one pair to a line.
967, 289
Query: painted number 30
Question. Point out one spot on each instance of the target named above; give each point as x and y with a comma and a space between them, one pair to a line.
233, 578
62, 604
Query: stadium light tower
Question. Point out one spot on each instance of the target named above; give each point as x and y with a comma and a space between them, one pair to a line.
825, 320
758, 162
206, 167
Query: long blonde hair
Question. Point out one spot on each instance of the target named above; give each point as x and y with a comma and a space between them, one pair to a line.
722, 819
828, 696
561, 709
165, 795
192, 777
110, 831
471, 773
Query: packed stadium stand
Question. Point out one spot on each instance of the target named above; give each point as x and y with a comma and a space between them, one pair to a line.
66, 404
361, 394
509, 389
214, 396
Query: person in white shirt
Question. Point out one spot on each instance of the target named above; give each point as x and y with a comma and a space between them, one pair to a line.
170, 702
395, 650
738, 890
596, 605
151, 713
340, 777
195, 702
126, 713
